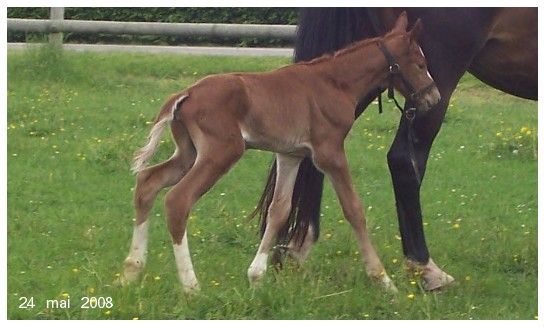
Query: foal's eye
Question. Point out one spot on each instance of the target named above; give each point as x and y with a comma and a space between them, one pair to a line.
421, 66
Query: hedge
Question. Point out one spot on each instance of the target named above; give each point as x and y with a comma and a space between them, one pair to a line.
170, 15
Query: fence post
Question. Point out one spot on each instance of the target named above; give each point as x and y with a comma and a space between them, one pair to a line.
56, 14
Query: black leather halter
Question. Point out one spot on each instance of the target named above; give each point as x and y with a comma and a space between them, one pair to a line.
394, 69
396, 72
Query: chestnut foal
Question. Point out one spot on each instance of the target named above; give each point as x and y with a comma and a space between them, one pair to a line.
301, 110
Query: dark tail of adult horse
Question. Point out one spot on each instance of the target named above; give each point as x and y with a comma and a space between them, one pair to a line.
320, 31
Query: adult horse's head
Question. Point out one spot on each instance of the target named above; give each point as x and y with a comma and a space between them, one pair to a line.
407, 66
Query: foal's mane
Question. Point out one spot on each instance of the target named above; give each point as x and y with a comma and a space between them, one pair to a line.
348, 49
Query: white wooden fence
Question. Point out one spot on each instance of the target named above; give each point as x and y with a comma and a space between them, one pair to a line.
57, 25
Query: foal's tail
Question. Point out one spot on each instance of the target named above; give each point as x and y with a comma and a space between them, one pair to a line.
165, 116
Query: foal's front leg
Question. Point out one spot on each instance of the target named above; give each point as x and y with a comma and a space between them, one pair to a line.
287, 169
334, 164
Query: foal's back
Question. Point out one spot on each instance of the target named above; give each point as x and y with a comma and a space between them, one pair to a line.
279, 111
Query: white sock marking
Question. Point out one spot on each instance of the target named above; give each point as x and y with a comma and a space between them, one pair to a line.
138, 248
186, 272
258, 267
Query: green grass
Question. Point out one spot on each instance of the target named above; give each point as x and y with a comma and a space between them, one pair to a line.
74, 121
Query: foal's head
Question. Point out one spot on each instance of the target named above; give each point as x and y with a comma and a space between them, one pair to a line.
407, 66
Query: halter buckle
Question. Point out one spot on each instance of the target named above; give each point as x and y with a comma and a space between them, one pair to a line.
410, 113
394, 68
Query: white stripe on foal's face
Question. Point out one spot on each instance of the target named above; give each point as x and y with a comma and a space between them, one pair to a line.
422, 54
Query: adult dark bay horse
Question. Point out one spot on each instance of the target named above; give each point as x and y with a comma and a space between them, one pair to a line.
497, 45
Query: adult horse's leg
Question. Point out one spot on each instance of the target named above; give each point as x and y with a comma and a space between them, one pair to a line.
334, 163
407, 193
277, 213
148, 183
405, 179
449, 47
215, 156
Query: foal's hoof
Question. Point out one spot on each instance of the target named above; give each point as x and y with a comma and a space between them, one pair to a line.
386, 283
278, 257
191, 290
255, 277
433, 278
123, 280
132, 271
255, 282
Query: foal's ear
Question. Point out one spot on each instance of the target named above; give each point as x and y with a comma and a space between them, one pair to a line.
416, 30
402, 23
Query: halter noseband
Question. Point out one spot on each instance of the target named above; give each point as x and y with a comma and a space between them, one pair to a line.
395, 71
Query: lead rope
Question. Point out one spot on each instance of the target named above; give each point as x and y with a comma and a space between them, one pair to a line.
409, 114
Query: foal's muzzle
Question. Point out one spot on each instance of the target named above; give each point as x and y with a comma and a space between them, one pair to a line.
427, 97
422, 92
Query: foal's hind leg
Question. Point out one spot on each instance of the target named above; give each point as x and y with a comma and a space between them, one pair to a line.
214, 159
148, 183
300, 252
333, 163
287, 168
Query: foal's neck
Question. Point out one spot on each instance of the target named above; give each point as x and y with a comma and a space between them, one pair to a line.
357, 70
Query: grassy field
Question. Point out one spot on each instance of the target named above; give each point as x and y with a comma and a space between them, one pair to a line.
74, 121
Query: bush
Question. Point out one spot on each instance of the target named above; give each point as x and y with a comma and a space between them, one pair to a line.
170, 15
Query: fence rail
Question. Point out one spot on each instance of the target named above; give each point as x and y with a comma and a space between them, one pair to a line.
283, 32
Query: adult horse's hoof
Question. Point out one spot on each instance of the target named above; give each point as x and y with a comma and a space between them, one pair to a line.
433, 278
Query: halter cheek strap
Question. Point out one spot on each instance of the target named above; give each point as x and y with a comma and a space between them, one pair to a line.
410, 113
395, 71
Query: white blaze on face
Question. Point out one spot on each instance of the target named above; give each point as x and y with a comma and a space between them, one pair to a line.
423, 55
